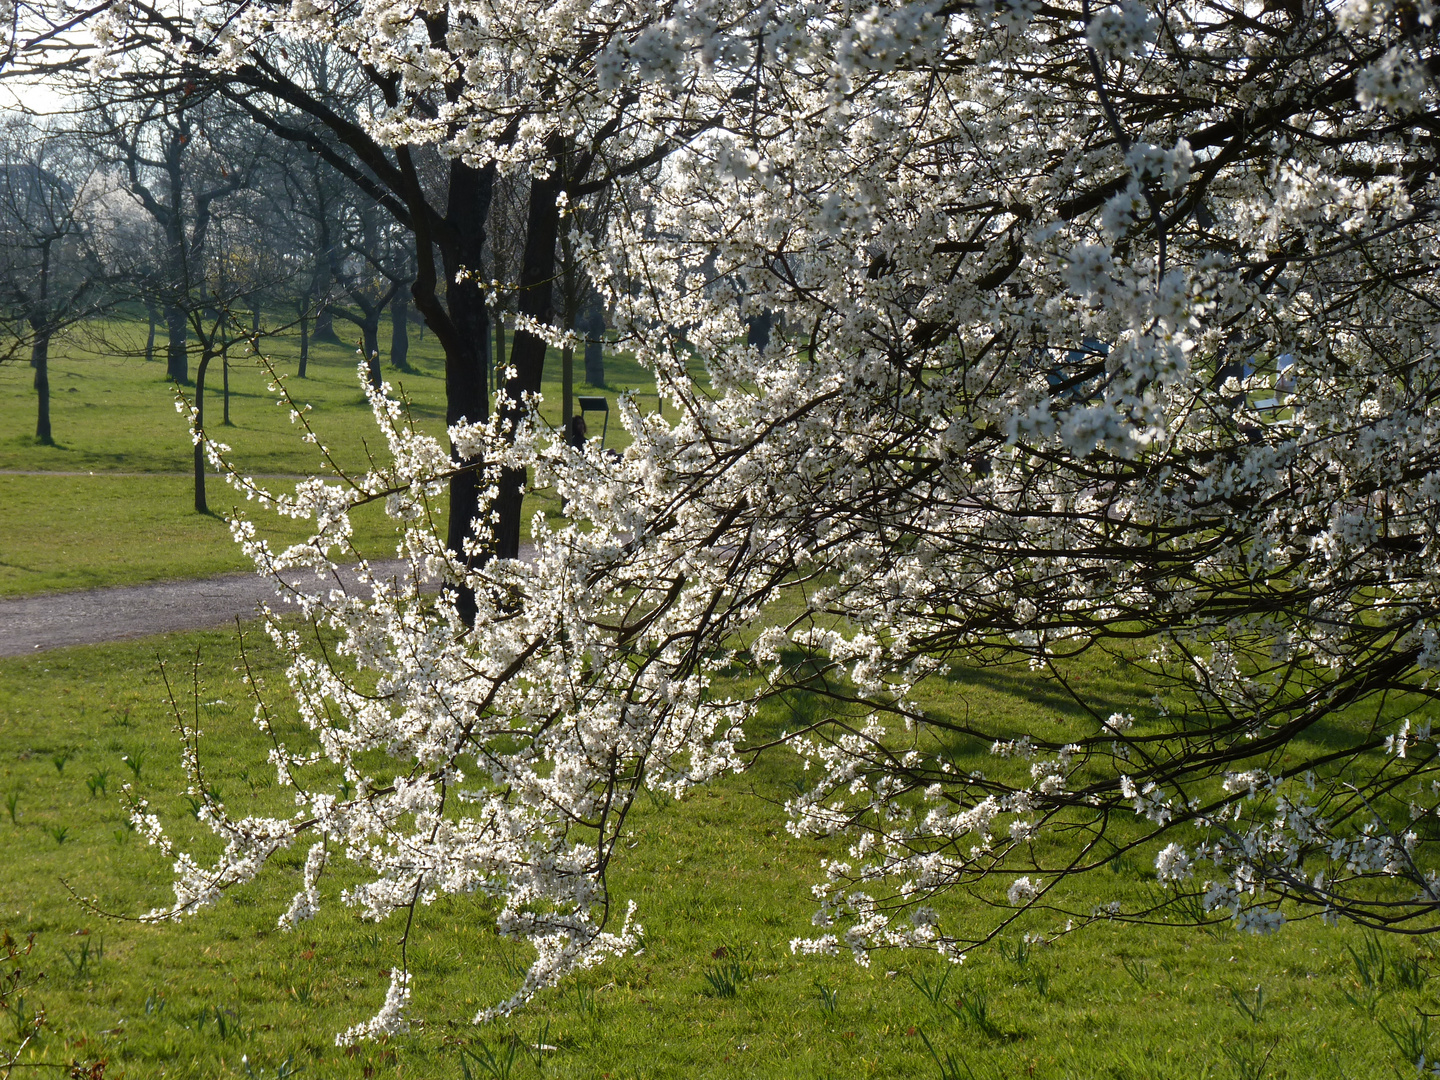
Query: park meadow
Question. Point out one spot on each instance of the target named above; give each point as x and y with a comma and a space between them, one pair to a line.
721, 888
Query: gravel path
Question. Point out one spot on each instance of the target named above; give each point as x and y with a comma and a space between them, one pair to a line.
29, 624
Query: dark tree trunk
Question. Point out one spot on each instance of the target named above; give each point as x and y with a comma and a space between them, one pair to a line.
225, 391
527, 357
487, 354
304, 337
594, 345
757, 329
324, 275
201, 507
40, 361
370, 345
177, 367
400, 330
567, 394
467, 392
154, 317
325, 326
498, 356
569, 316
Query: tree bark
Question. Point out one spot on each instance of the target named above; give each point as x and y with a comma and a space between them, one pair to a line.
40, 361
757, 329
225, 392
154, 317
567, 394
177, 367
467, 391
537, 300
201, 507
304, 335
325, 326
368, 323
324, 274
594, 345
400, 330
569, 315
370, 345
497, 357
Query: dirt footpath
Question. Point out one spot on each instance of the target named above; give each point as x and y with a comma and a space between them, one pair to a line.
30, 624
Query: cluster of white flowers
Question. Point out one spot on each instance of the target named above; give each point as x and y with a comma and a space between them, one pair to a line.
1394, 83
1122, 31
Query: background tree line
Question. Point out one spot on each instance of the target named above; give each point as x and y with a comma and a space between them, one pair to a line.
217, 212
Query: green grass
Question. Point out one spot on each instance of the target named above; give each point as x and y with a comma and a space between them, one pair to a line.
79, 532
721, 889
114, 416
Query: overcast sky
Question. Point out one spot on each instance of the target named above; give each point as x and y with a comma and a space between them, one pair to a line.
37, 97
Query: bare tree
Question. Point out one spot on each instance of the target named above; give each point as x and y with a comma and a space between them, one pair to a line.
50, 274
168, 140
370, 274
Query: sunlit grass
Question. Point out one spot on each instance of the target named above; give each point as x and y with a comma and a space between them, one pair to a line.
133, 520
721, 889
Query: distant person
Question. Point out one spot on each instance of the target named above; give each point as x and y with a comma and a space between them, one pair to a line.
577, 431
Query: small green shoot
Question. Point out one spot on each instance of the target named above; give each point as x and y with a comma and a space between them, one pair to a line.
227, 1021
1410, 973
283, 1071
496, 1062
973, 1010
1017, 953
1248, 1063
1411, 1038
1370, 962
135, 760
1138, 970
829, 997
97, 782
91, 951
1039, 982
948, 1066
585, 1002
1254, 1011
933, 990
726, 978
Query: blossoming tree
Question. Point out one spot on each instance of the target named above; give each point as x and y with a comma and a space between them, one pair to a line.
1103, 329
1109, 333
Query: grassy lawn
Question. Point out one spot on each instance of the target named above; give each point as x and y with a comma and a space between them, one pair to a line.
114, 416
721, 889
80, 532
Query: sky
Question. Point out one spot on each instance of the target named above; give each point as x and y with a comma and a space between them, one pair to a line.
30, 95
